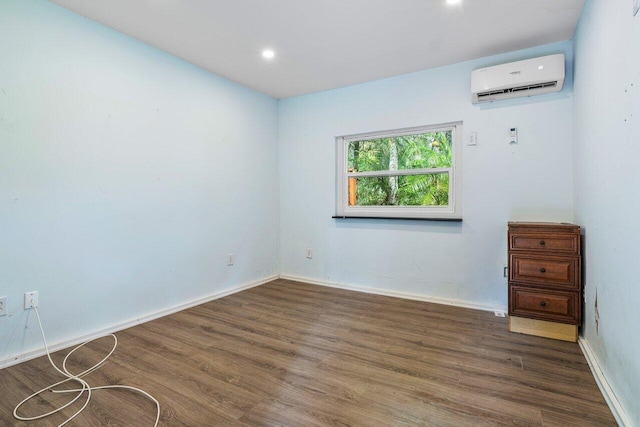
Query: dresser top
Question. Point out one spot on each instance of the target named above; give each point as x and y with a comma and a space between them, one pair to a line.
565, 226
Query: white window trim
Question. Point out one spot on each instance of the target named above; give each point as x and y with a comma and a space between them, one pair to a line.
454, 209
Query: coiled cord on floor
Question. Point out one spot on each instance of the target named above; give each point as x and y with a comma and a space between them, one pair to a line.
85, 387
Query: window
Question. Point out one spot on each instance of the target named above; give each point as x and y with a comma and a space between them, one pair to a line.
405, 173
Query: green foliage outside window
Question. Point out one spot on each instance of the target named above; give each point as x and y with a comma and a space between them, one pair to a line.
419, 151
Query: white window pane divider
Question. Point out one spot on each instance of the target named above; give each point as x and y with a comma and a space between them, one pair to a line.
400, 172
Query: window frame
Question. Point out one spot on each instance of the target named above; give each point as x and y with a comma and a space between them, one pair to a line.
452, 211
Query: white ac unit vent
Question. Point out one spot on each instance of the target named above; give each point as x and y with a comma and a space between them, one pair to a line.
533, 76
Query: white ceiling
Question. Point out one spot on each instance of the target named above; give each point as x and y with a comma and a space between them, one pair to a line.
326, 44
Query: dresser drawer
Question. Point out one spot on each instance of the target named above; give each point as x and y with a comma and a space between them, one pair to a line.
544, 242
543, 270
555, 306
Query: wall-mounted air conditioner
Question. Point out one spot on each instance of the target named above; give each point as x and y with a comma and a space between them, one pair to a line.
533, 76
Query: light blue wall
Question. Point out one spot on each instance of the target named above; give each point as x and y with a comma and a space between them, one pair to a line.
529, 181
126, 176
607, 196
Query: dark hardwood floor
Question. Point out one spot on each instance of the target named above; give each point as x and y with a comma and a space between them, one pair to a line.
293, 354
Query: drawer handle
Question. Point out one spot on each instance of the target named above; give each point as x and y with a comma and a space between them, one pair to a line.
543, 270
542, 243
543, 304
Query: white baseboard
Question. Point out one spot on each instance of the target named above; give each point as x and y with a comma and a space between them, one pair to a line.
14, 360
609, 396
386, 292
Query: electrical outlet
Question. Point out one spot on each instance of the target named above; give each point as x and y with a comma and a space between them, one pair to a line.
230, 259
30, 299
596, 313
3, 306
309, 253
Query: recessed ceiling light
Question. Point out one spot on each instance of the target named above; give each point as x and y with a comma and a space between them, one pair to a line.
453, 1
268, 53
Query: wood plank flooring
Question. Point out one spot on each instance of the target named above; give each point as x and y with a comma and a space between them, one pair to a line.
293, 354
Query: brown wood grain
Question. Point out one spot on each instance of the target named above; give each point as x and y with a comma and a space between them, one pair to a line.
545, 275
293, 354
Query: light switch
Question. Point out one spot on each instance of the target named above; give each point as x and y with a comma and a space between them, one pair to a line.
473, 138
513, 135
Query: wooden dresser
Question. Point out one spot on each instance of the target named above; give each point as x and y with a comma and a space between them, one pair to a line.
545, 287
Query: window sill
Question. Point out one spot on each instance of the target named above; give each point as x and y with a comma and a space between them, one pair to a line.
398, 218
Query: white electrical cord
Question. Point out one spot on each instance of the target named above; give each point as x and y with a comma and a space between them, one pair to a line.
77, 377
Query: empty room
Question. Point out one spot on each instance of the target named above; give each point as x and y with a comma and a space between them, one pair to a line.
319, 213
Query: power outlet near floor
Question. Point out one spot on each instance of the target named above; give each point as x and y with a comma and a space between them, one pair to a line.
596, 314
30, 299
3, 306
